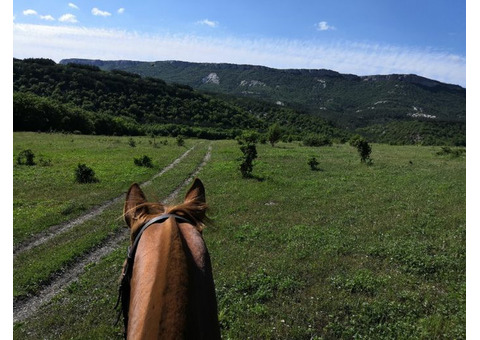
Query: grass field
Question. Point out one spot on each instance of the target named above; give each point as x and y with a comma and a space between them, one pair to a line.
348, 251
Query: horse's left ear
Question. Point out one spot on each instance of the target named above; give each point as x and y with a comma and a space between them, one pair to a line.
196, 192
135, 197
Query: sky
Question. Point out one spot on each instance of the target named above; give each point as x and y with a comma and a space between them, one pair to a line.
363, 37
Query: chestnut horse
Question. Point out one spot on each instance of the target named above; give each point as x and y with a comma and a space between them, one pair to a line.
167, 289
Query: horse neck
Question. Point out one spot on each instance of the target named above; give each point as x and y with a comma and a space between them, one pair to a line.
159, 286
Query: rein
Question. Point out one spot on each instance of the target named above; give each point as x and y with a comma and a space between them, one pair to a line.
124, 288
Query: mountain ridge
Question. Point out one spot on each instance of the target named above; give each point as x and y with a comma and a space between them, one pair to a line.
409, 77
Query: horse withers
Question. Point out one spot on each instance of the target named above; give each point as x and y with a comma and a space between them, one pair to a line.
167, 289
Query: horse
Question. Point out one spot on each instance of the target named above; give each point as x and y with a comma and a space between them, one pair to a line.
167, 288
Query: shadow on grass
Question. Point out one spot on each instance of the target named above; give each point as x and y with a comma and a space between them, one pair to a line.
255, 177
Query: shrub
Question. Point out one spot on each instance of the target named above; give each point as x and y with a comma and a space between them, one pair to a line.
312, 161
251, 137
317, 140
274, 134
84, 174
132, 142
452, 152
363, 148
249, 151
26, 157
180, 140
143, 161
45, 162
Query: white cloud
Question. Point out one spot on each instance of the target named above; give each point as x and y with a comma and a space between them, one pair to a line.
68, 18
324, 26
208, 23
30, 12
47, 17
345, 57
96, 11
121, 10
72, 5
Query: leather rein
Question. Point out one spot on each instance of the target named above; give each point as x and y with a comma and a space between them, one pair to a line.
124, 288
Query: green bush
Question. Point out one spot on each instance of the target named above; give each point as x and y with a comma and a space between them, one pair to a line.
363, 148
84, 174
26, 157
446, 150
249, 151
180, 140
312, 161
143, 161
249, 136
317, 140
274, 134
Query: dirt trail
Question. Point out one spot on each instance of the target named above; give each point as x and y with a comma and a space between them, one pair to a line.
25, 308
53, 231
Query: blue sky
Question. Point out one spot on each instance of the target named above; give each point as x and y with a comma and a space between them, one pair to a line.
424, 37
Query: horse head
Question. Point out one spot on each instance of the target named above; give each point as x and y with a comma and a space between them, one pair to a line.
167, 288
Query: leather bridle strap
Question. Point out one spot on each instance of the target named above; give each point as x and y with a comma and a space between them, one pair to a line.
159, 219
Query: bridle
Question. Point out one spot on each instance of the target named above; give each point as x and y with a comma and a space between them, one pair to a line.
124, 288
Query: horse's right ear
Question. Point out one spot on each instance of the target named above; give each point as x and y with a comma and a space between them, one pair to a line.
135, 197
196, 192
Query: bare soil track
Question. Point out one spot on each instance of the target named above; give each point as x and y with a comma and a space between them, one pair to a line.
26, 307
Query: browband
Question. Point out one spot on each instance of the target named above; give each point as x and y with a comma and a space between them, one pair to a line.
159, 219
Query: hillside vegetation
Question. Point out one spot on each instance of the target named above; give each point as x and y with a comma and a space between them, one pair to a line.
347, 100
85, 99
73, 97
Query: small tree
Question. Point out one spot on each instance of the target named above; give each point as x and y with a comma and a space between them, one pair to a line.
84, 174
363, 148
274, 134
248, 137
249, 151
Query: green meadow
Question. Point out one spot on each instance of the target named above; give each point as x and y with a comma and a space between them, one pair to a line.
349, 251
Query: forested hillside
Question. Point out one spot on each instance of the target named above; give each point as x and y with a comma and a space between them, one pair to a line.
74, 97
86, 99
349, 100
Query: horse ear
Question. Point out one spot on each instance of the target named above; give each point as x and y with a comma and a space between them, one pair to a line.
196, 192
135, 197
